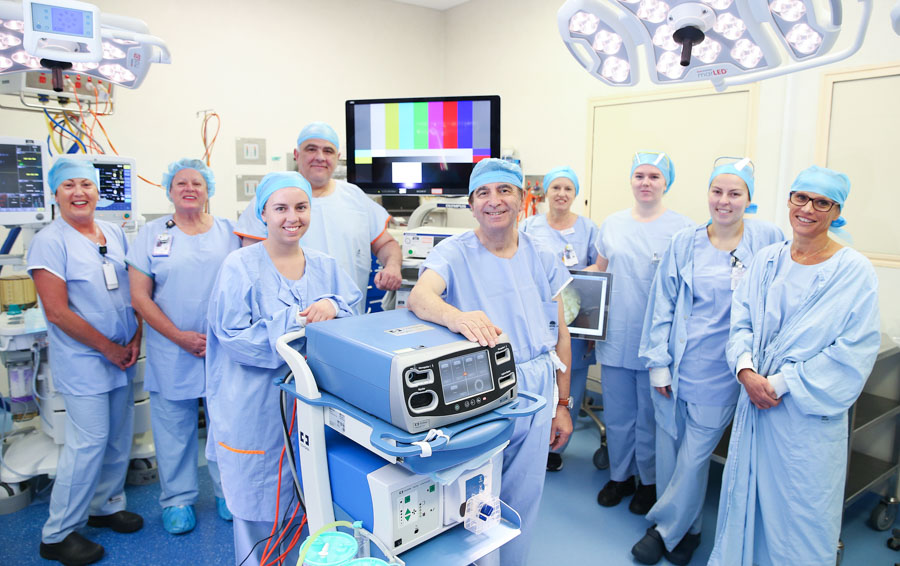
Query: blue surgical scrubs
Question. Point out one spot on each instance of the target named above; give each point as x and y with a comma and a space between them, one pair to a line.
183, 276
90, 475
813, 332
577, 248
343, 225
633, 249
685, 330
250, 307
517, 295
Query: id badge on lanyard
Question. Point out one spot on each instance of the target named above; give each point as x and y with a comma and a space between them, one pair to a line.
163, 245
570, 258
109, 272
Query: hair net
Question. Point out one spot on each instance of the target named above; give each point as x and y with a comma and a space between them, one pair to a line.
319, 131
554, 174
274, 181
827, 183
658, 159
494, 170
67, 168
195, 164
743, 170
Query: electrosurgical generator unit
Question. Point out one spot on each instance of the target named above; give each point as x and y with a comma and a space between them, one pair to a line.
413, 374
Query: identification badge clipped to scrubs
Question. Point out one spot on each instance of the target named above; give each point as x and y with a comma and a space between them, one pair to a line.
654, 261
737, 270
109, 272
162, 247
569, 258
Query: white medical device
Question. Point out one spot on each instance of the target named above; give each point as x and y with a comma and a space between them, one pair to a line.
62, 27
24, 194
413, 374
418, 242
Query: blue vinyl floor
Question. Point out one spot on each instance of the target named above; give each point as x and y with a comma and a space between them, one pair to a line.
573, 529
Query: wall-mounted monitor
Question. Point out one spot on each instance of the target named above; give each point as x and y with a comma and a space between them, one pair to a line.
117, 194
420, 146
24, 195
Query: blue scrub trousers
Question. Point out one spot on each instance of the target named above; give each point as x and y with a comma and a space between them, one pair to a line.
248, 533
630, 424
525, 459
175, 437
682, 468
90, 476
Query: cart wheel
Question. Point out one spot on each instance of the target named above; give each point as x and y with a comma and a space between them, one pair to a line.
840, 553
883, 515
601, 457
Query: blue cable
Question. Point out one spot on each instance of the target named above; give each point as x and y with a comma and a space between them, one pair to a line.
63, 128
49, 151
10, 240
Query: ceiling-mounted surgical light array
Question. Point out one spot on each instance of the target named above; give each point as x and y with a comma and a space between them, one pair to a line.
609, 62
715, 39
127, 48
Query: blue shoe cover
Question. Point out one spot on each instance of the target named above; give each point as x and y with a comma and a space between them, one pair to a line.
222, 509
179, 519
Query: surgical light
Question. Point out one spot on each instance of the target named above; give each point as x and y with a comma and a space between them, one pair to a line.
728, 42
69, 34
730, 27
663, 38
804, 39
5, 63
747, 53
616, 69
654, 11
789, 10
607, 42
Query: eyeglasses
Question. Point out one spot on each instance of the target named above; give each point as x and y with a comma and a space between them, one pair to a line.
820, 204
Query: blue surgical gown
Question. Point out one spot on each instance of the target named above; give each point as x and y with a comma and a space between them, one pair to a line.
517, 295
343, 225
77, 368
182, 282
783, 484
582, 240
633, 249
250, 307
667, 320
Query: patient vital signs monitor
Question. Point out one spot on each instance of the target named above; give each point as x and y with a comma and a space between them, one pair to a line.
24, 196
117, 195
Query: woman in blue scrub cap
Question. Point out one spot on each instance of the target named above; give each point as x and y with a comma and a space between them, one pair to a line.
174, 263
683, 345
804, 337
263, 292
573, 238
631, 243
78, 267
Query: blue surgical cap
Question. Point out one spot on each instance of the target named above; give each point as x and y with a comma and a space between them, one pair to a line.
554, 174
743, 170
494, 170
67, 168
827, 183
658, 159
274, 181
195, 164
318, 131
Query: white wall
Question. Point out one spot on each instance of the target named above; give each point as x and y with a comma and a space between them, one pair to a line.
513, 48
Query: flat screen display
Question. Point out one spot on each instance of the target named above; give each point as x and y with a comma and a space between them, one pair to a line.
589, 293
465, 376
420, 146
21, 177
115, 186
65, 21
